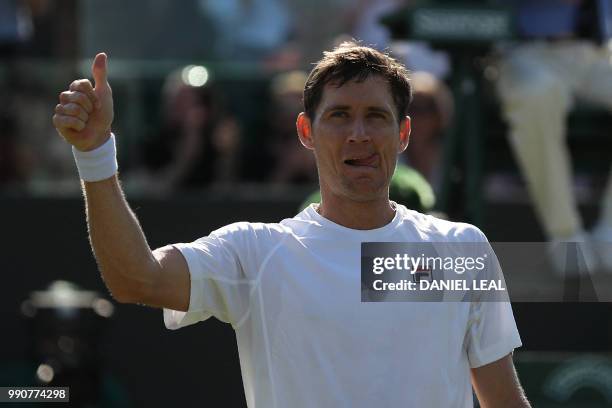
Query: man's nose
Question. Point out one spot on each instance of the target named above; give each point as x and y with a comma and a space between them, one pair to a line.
359, 132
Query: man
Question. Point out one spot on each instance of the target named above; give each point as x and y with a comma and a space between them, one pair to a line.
562, 56
291, 291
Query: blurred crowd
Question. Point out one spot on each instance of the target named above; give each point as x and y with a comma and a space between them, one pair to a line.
199, 126
208, 91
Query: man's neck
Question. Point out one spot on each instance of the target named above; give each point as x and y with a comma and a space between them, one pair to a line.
356, 215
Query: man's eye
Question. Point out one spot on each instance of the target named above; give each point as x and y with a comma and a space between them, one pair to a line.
377, 115
339, 114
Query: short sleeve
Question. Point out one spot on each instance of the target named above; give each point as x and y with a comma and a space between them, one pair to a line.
492, 332
219, 274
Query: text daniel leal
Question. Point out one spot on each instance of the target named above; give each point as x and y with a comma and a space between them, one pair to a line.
453, 284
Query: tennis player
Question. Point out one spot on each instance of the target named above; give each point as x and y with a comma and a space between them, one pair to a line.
292, 290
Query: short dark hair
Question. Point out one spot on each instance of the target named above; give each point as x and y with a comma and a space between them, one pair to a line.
351, 61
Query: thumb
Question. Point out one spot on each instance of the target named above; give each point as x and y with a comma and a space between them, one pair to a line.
98, 70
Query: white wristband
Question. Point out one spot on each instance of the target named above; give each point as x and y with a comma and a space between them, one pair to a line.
97, 164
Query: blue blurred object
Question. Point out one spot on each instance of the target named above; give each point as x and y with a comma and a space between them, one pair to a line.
559, 18
546, 18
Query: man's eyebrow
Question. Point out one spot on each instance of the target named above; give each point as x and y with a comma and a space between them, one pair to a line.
347, 107
378, 109
337, 107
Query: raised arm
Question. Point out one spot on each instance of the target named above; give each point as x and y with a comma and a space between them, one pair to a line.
132, 272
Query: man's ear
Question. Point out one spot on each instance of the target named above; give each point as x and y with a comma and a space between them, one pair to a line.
304, 130
404, 134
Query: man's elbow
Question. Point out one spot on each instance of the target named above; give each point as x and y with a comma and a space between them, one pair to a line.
522, 402
127, 291
125, 296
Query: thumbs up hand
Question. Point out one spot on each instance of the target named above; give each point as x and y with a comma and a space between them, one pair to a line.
85, 113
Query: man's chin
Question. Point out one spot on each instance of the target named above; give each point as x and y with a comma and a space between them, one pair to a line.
365, 191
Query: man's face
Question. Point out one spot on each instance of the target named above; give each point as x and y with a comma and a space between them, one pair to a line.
356, 137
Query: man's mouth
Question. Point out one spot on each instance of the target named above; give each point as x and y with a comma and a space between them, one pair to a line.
363, 161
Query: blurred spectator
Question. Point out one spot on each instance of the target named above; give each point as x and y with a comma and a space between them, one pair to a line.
198, 142
56, 28
43, 161
318, 22
294, 163
38, 28
15, 26
363, 21
431, 112
561, 58
15, 30
157, 29
248, 29
32, 158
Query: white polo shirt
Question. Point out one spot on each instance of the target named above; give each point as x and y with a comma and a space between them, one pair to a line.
292, 293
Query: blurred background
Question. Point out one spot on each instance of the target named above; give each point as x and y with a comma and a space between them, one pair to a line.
512, 131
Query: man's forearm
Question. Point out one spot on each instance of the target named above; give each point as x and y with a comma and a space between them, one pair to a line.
497, 385
124, 258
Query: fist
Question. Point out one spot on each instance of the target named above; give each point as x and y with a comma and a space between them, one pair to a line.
85, 112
